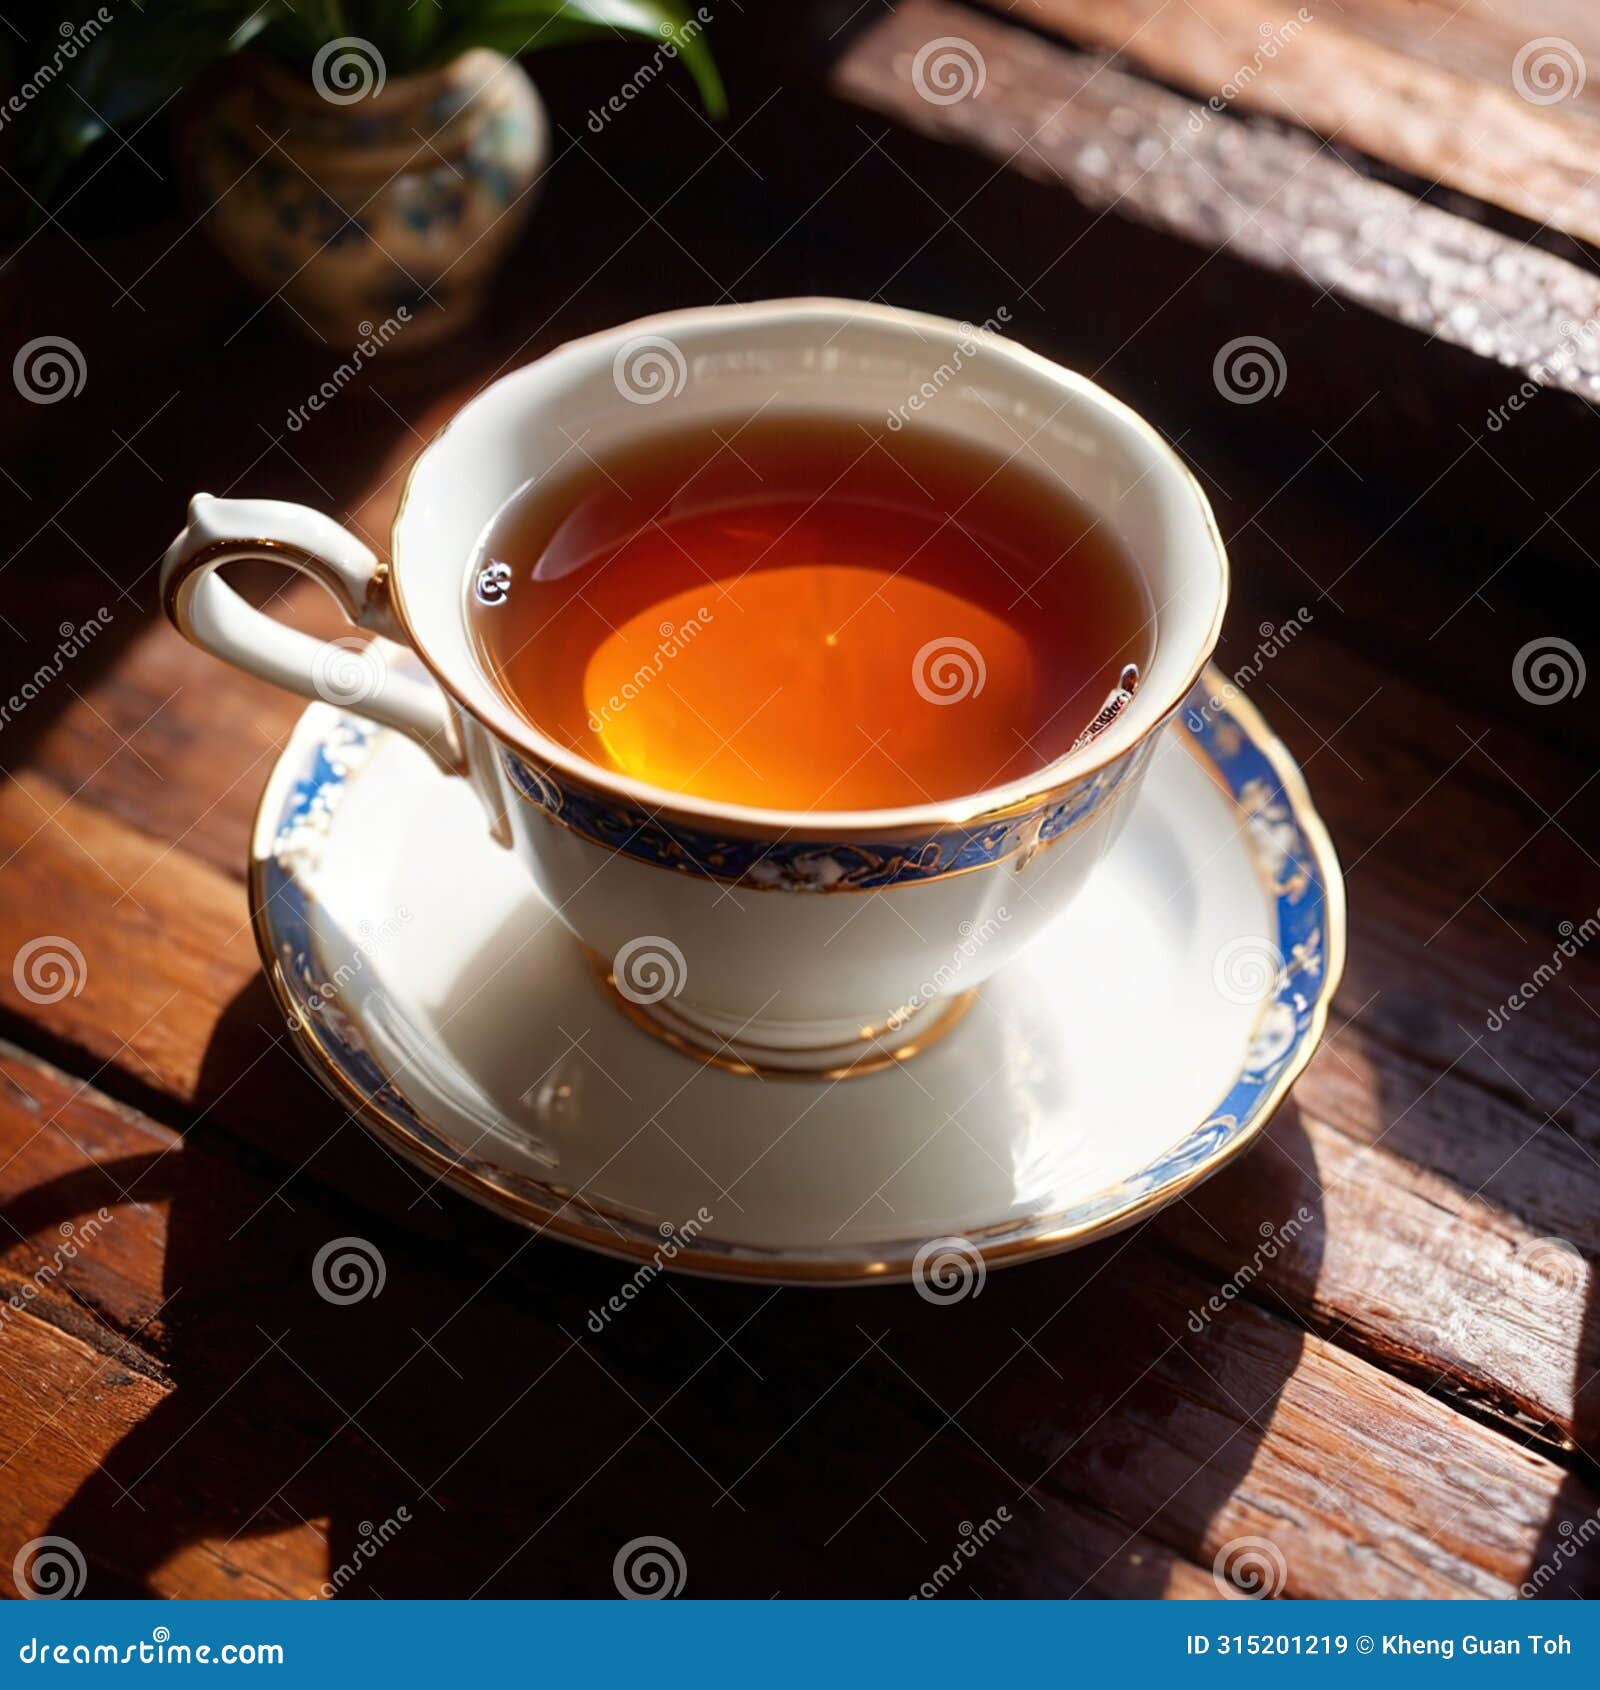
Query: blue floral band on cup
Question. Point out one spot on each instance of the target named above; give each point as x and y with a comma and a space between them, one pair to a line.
819, 865
1292, 856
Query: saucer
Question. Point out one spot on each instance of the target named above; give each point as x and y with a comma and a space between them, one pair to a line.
1137, 1045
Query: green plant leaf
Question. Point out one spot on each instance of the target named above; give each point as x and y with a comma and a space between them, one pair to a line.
124, 73
417, 28
154, 51
515, 27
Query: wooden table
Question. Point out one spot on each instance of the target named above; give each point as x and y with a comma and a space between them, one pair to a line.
1403, 1402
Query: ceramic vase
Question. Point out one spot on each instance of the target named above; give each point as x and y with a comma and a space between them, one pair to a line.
369, 206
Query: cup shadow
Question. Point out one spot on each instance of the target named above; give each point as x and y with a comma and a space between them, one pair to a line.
1057, 1394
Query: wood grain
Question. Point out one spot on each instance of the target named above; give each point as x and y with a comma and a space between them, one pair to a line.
1479, 39
213, 1302
1400, 1400
1460, 1176
149, 1314
1431, 92
1276, 198
1411, 1245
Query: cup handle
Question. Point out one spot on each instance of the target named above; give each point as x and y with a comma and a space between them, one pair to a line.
346, 673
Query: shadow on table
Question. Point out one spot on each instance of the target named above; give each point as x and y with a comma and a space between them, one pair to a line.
481, 1425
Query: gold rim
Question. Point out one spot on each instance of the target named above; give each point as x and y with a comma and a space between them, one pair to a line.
1023, 854
953, 1011
569, 1217
660, 804
286, 552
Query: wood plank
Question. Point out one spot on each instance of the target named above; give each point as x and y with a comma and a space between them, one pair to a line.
64, 1410
1276, 199
1479, 38
1395, 1232
140, 996
1387, 85
174, 1288
1475, 1279
1251, 1429
1463, 823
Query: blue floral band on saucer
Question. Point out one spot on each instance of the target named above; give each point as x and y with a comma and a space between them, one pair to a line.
1303, 964
816, 865
1300, 968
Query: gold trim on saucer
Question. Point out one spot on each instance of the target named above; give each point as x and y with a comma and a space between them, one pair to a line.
920, 1038
568, 1215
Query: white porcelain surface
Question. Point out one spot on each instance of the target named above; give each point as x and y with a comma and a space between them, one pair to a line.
1086, 1061
785, 962
794, 356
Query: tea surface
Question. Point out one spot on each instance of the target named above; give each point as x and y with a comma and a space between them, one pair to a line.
806, 613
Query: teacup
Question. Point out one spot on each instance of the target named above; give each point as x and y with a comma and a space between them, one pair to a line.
767, 940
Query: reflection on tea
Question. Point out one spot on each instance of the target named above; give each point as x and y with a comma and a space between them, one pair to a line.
807, 613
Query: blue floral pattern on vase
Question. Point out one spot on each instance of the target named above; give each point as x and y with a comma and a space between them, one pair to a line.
409, 194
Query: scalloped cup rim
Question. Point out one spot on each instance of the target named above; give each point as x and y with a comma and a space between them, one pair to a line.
1147, 714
